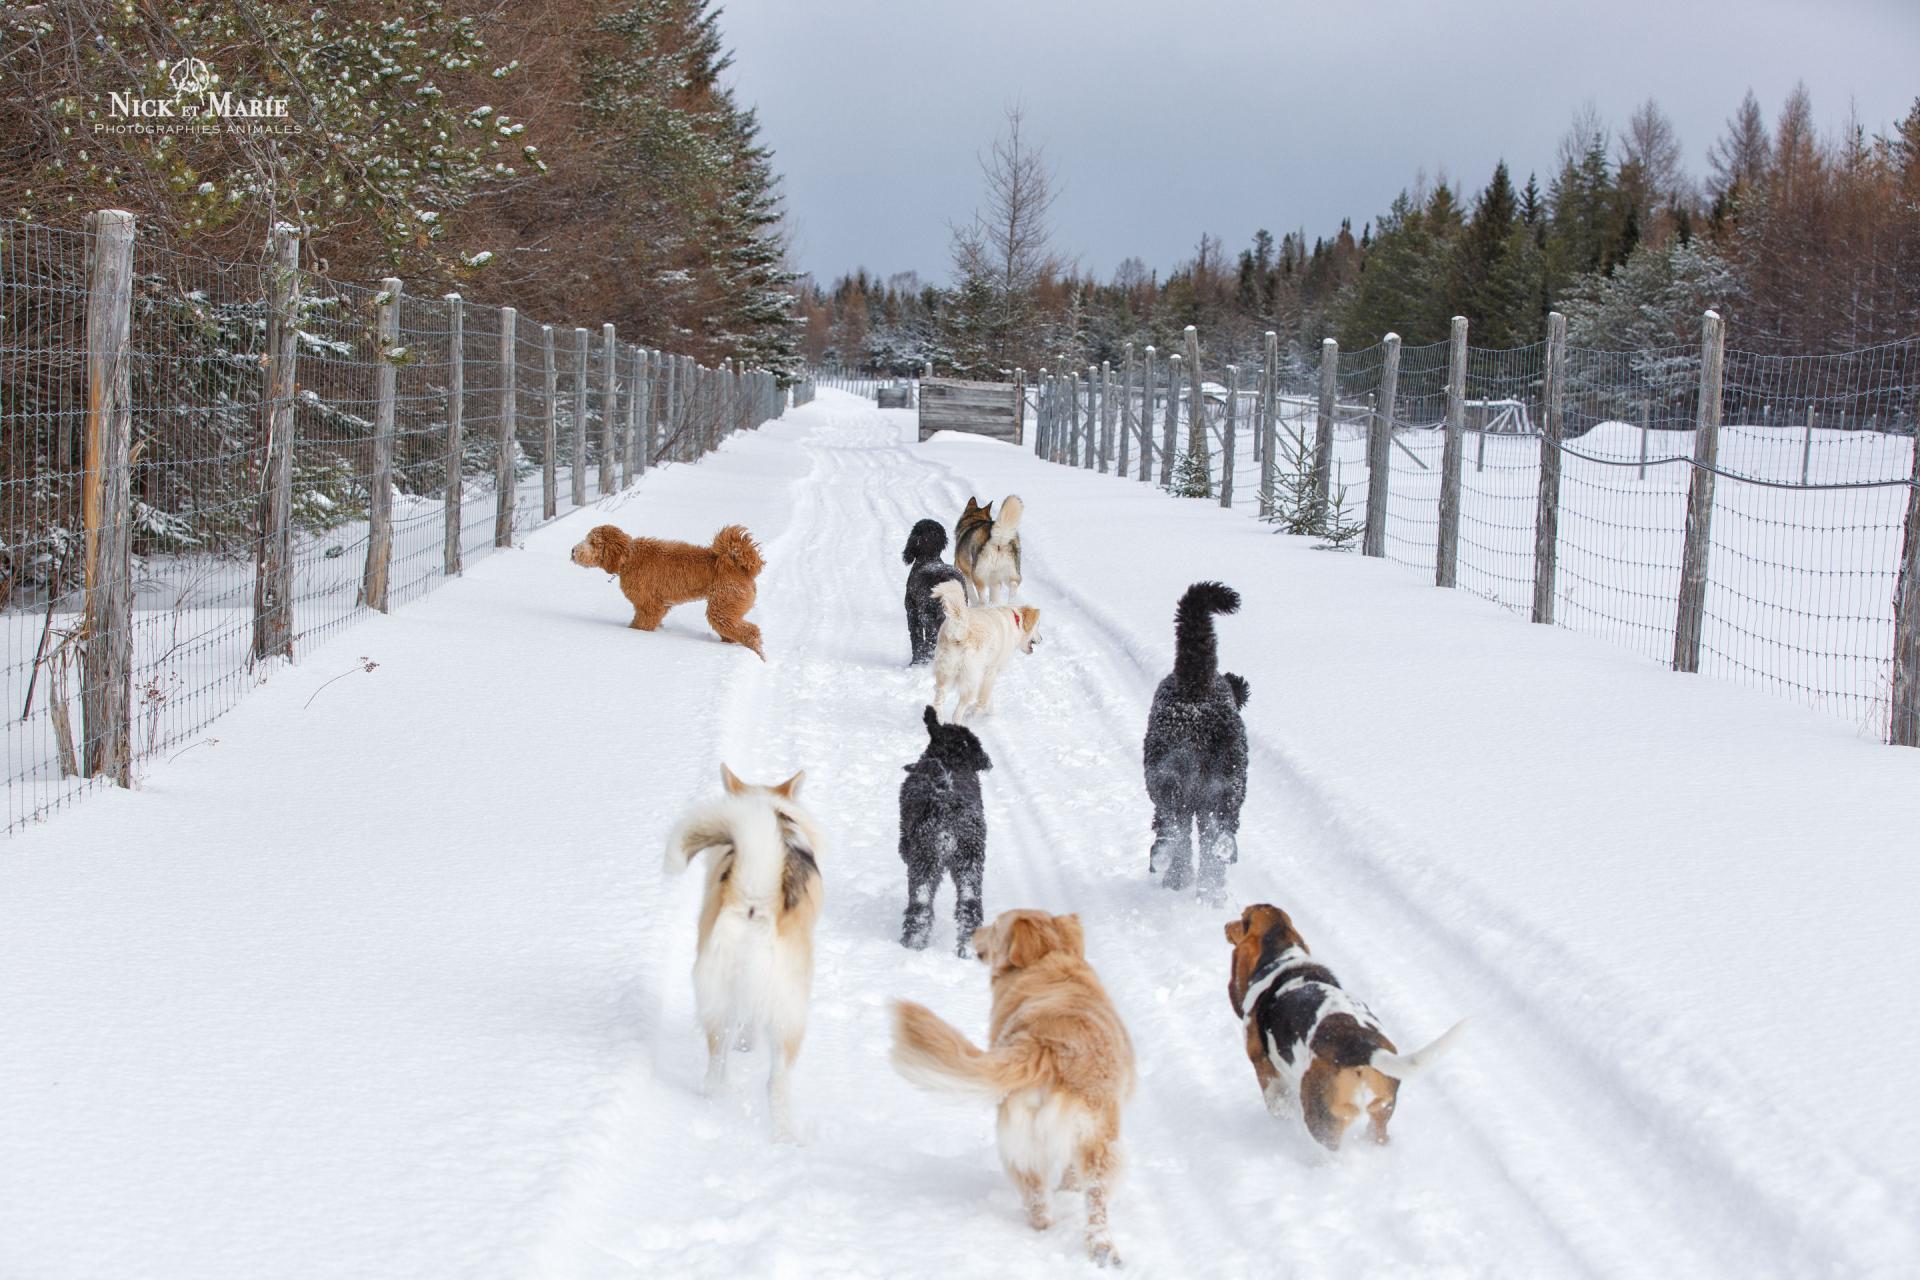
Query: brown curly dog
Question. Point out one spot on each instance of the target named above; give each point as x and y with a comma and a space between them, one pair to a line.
656, 575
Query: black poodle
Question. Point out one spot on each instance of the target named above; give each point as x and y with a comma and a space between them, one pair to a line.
943, 831
1196, 750
924, 614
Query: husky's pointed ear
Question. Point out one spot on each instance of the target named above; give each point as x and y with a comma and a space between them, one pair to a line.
731, 782
931, 719
694, 837
790, 789
1071, 936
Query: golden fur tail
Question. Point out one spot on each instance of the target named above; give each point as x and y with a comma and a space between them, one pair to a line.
930, 1053
737, 547
952, 597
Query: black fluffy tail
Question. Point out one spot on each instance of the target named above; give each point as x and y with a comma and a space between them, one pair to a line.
1196, 658
1241, 690
926, 542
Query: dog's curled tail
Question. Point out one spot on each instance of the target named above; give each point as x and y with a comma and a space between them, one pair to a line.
931, 1054
926, 542
1196, 658
952, 597
1404, 1066
1006, 525
737, 547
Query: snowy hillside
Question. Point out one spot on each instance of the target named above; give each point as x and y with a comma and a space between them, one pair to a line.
391, 984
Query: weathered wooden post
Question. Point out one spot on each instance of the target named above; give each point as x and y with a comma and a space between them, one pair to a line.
1546, 523
582, 347
630, 417
1019, 405
1269, 434
656, 401
1197, 415
1093, 416
1903, 728
1226, 441
643, 398
503, 479
456, 432
1124, 421
373, 582
106, 678
1168, 432
549, 465
1446, 560
1106, 415
1646, 429
1073, 419
1043, 414
1146, 413
1806, 447
1691, 613
273, 566
1380, 450
609, 405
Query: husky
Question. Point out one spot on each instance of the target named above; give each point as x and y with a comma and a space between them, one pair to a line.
986, 550
753, 965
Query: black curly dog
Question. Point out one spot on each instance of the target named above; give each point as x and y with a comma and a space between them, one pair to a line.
1196, 750
924, 614
943, 831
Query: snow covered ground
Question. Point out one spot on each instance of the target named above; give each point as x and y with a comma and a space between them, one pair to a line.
391, 984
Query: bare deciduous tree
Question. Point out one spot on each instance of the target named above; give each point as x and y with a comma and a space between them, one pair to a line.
1739, 157
1004, 254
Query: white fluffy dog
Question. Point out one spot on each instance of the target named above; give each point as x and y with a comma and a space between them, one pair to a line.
975, 642
753, 970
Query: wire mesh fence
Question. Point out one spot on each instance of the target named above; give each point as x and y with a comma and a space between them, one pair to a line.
139, 464
1803, 470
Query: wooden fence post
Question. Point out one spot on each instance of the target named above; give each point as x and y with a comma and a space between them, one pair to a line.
644, 400
1197, 414
549, 466
1093, 416
1691, 613
1903, 726
1646, 429
273, 566
1323, 426
456, 432
1226, 440
1168, 432
1546, 522
1446, 566
1380, 450
1269, 433
1806, 447
106, 679
503, 479
1042, 414
609, 404
656, 400
1106, 415
1146, 413
577, 429
631, 418
1019, 405
1073, 419
373, 582
1125, 427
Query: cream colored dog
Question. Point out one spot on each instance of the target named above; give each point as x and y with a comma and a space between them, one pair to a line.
975, 642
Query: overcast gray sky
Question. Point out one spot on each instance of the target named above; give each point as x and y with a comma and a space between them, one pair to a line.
1165, 120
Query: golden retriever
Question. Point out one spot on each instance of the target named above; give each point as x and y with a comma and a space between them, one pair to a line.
974, 644
656, 575
1059, 1063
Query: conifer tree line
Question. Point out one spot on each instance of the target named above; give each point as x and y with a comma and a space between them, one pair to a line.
1806, 243
577, 159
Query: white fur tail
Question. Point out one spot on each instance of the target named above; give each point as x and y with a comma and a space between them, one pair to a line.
1403, 1066
952, 597
1007, 523
747, 827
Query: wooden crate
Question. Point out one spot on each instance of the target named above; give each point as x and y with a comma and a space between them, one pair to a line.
981, 408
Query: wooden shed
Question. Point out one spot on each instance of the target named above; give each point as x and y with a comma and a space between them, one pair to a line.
980, 408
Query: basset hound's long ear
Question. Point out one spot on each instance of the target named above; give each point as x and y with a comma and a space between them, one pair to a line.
1236, 931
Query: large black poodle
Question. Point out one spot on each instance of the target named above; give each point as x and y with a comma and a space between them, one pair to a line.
928, 571
1196, 750
943, 831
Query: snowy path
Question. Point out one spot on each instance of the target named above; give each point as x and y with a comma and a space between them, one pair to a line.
1614, 1112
